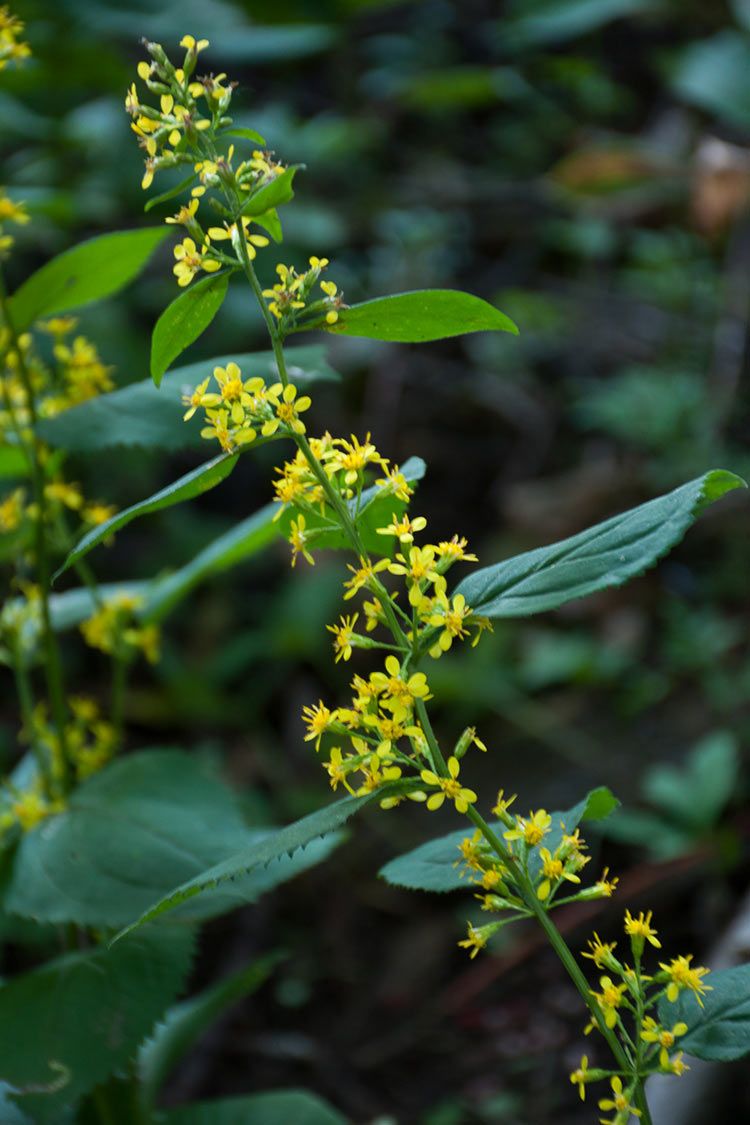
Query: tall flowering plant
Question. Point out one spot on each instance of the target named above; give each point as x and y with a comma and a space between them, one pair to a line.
68, 862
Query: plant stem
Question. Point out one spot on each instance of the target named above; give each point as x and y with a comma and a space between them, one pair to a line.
52, 662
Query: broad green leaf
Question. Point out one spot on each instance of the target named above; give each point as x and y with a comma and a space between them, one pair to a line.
186, 1022
282, 843
720, 1030
143, 813
271, 224
695, 794
88, 272
73, 1021
194, 483
436, 865
272, 195
714, 75
144, 415
185, 320
278, 1107
427, 314
598, 558
183, 185
243, 541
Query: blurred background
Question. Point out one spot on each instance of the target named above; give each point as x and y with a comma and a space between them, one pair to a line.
585, 165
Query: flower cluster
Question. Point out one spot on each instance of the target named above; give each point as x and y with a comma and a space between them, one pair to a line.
90, 743
241, 409
294, 304
114, 629
12, 47
10, 212
625, 999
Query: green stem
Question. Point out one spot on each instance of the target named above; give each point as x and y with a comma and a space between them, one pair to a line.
52, 661
640, 1093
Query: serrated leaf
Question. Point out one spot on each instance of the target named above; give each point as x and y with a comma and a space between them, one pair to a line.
436, 865
144, 415
720, 1030
598, 558
272, 195
88, 272
186, 1022
284, 842
182, 322
75, 1019
183, 185
142, 814
243, 541
192, 484
277, 1107
426, 314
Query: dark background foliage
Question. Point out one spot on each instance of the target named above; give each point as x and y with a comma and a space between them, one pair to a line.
584, 164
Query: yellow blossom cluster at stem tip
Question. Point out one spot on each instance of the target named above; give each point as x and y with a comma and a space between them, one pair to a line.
624, 999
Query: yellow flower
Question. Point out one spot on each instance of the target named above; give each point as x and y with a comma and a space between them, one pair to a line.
418, 568
230, 231
298, 537
476, 940
682, 975
403, 528
343, 636
454, 550
640, 929
579, 1077
553, 869
619, 1102
531, 830
192, 44
11, 212
609, 999
30, 808
190, 260
362, 576
395, 482
652, 1032
97, 514
450, 618
63, 493
352, 458
606, 886
449, 787
185, 215
11, 511
601, 953
336, 768
194, 400
287, 412
318, 719
394, 684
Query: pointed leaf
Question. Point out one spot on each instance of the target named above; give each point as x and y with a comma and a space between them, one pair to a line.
427, 314
243, 541
282, 843
277, 1107
172, 192
719, 1031
186, 1022
88, 272
437, 866
193, 484
141, 414
603, 556
272, 195
73, 1021
185, 320
244, 133
139, 814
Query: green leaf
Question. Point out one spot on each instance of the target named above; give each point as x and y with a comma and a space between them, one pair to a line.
194, 483
436, 865
186, 1022
13, 463
427, 314
695, 795
271, 224
10, 1114
272, 195
88, 272
171, 192
720, 1030
144, 415
603, 556
555, 21
185, 320
73, 1021
278, 1107
284, 842
243, 541
246, 134
714, 75
142, 814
